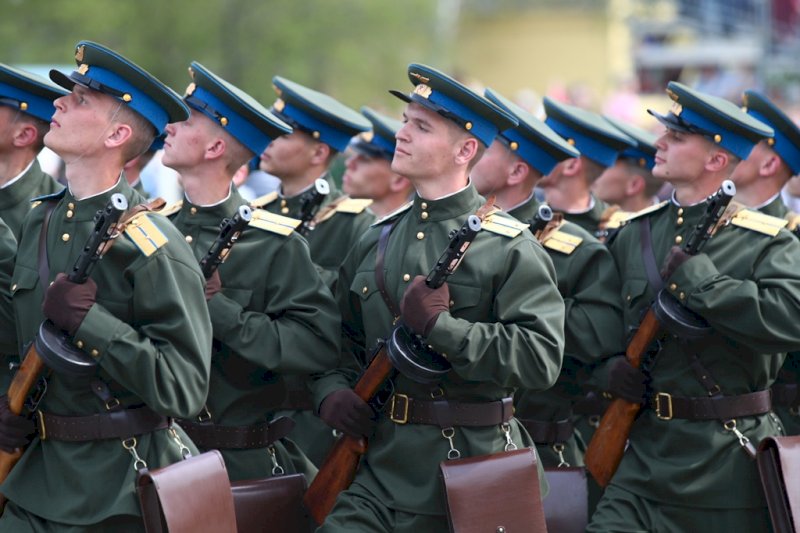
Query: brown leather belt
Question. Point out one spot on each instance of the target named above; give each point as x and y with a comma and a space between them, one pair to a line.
120, 424
545, 432
668, 407
444, 413
209, 436
785, 394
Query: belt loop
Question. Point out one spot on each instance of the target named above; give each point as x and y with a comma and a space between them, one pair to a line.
40, 425
507, 406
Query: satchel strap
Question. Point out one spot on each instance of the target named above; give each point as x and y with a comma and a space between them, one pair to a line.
210, 436
117, 424
403, 409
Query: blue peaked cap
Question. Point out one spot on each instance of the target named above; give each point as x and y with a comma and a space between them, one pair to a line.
787, 135
101, 69
28, 92
644, 152
380, 141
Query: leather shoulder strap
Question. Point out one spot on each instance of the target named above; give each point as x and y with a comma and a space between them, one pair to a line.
380, 280
44, 262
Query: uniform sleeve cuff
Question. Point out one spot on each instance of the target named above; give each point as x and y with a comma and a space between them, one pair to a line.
448, 335
691, 275
322, 387
97, 330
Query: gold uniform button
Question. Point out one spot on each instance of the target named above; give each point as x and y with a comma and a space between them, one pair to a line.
283, 203
189, 238
193, 210
679, 221
79, 344
628, 297
452, 303
424, 205
680, 211
284, 210
420, 236
13, 287
678, 239
682, 295
65, 237
94, 353
70, 213
406, 277
673, 286
424, 215
70, 206
365, 290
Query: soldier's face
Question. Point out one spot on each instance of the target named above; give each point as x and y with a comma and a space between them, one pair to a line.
288, 156
748, 171
426, 145
490, 174
680, 157
187, 141
613, 183
80, 124
366, 177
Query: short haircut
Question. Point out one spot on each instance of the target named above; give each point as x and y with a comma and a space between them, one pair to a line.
142, 132
592, 169
237, 154
651, 184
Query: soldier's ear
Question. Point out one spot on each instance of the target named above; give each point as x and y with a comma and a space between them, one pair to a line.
769, 165
25, 135
320, 153
215, 149
466, 150
717, 160
119, 134
519, 173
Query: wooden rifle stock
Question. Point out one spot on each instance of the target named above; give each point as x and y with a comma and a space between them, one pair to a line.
605, 450
339, 468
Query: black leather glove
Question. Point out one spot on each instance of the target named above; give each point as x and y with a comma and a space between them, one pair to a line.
67, 303
421, 305
626, 382
15, 431
213, 285
345, 411
676, 258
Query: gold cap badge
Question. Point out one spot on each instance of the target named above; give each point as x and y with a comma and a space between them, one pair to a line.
367, 136
83, 69
423, 90
278, 105
190, 89
79, 53
419, 76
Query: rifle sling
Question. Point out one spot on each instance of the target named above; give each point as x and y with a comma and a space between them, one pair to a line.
44, 262
648, 256
380, 279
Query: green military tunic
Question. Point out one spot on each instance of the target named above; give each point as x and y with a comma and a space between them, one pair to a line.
504, 331
8, 348
590, 219
15, 200
589, 283
333, 236
274, 316
151, 336
789, 374
745, 284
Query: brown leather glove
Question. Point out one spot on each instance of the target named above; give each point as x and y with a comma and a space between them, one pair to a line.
66, 303
676, 258
626, 382
421, 305
345, 411
213, 285
15, 431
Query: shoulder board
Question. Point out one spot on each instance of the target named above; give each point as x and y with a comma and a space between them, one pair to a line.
793, 219
647, 210
268, 198
561, 241
145, 234
53, 196
508, 227
353, 205
393, 215
758, 222
171, 209
618, 219
273, 223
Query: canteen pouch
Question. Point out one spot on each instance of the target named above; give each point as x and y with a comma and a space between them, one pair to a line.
778, 461
271, 504
188, 496
497, 492
566, 506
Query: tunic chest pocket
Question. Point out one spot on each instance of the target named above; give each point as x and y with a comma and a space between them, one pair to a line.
634, 296
364, 286
23, 282
465, 301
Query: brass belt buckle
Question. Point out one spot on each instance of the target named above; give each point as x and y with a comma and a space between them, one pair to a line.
40, 423
667, 403
403, 419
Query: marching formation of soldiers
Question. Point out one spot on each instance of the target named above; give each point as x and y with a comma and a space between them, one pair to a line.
506, 321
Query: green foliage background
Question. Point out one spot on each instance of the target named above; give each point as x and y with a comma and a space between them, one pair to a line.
354, 50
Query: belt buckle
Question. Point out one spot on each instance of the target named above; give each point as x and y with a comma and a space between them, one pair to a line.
404, 418
668, 400
40, 425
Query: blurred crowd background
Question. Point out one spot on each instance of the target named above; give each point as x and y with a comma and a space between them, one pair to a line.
610, 56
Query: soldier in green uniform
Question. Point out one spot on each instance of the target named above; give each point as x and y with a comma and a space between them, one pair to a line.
8, 248
629, 182
272, 314
26, 105
689, 465
141, 317
322, 128
498, 320
568, 187
587, 279
368, 171
759, 180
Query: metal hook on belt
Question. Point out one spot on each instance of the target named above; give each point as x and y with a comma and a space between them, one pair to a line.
449, 434
277, 469
506, 427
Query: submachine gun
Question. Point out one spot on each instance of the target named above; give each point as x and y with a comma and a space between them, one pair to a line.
666, 314
403, 352
310, 201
